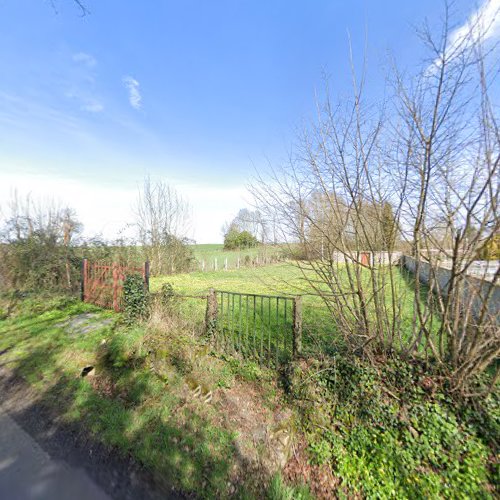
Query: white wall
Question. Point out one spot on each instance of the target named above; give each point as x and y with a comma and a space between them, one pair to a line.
475, 289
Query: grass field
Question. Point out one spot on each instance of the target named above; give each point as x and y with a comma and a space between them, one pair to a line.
374, 429
285, 279
213, 254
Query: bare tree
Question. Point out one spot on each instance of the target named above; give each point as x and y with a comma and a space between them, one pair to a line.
250, 221
37, 245
450, 144
82, 7
421, 168
163, 222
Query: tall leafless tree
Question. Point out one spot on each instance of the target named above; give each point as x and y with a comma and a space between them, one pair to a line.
163, 222
428, 156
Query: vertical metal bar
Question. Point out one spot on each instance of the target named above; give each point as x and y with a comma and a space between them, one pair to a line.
146, 275
284, 328
84, 279
297, 326
228, 314
254, 319
261, 328
219, 339
232, 324
226, 323
246, 327
115, 287
269, 332
239, 328
276, 337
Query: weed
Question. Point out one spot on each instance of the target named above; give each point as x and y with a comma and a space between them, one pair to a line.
278, 490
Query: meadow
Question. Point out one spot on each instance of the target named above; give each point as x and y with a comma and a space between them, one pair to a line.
213, 255
139, 398
320, 333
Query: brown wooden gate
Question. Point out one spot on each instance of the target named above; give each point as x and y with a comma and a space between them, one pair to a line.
102, 284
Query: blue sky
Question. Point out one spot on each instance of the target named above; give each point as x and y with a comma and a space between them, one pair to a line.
197, 93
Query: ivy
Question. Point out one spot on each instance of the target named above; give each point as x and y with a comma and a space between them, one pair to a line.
135, 297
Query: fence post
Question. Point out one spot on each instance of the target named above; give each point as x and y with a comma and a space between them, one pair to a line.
297, 326
215, 264
211, 313
115, 287
84, 280
225, 264
146, 275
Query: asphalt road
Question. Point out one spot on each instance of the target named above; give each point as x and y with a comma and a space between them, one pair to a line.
27, 472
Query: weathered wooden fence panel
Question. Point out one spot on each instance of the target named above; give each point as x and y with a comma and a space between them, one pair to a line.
267, 328
102, 284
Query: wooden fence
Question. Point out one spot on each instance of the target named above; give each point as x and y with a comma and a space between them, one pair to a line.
267, 328
102, 284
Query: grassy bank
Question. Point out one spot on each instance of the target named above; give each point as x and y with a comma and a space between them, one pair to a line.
155, 392
215, 426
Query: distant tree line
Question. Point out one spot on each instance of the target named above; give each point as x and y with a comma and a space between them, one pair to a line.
42, 245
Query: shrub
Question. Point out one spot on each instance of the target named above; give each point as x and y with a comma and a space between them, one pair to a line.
278, 490
237, 240
167, 294
490, 250
135, 298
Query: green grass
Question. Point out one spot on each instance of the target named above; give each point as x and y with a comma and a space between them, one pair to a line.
208, 253
135, 401
279, 279
320, 332
377, 431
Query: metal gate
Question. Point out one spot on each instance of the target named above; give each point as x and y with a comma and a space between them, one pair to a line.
102, 284
267, 328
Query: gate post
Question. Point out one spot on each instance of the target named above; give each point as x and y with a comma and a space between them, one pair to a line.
211, 313
297, 326
146, 275
83, 289
115, 287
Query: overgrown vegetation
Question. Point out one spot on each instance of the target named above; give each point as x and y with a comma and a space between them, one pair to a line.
162, 221
374, 428
136, 300
156, 391
239, 240
389, 431
37, 250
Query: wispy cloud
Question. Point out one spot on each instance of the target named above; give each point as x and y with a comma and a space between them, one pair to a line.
83, 83
84, 58
482, 24
134, 95
85, 98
